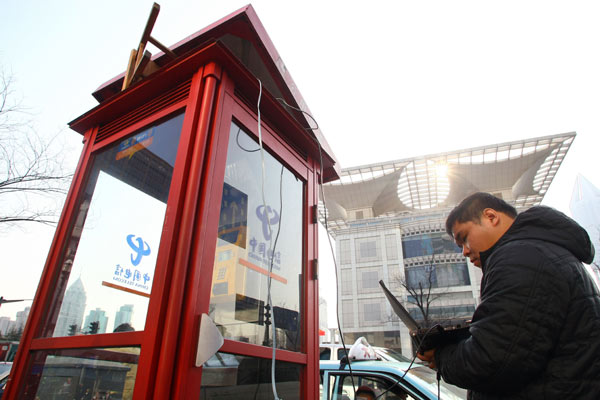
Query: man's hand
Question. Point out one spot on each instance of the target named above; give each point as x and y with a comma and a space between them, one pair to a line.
428, 356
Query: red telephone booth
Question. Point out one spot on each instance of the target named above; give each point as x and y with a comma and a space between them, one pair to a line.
195, 199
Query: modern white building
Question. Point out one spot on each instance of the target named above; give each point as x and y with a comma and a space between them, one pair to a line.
97, 315
585, 209
5, 325
22, 318
388, 221
72, 309
124, 315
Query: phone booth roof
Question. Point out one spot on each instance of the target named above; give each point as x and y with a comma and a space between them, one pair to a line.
238, 42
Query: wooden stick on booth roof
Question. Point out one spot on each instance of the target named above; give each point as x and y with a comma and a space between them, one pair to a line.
140, 59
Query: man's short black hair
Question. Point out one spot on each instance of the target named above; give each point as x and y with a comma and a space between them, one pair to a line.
471, 208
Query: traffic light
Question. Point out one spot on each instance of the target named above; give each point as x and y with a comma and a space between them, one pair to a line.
72, 330
94, 326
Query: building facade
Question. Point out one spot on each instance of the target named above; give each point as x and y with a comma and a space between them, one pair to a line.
98, 316
72, 310
22, 318
124, 315
585, 209
6, 324
388, 220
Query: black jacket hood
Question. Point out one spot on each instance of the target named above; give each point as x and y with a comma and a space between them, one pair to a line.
548, 224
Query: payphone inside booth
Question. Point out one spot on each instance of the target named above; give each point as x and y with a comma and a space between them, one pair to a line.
190, 221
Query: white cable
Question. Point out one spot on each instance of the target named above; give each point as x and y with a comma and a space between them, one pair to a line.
269, 302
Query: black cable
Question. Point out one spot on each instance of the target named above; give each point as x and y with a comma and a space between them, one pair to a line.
303, 112
337, 305
409, 365
335, 264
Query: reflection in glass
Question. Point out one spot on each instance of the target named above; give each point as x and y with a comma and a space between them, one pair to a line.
428, 244
254, 240
228, 376
438, 275
109, 260
82, 374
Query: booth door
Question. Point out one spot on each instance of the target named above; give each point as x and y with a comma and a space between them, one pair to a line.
254, 262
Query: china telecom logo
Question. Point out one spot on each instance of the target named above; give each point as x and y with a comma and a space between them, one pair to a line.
266, 219
141, 249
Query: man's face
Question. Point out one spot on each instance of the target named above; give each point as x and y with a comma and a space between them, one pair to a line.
474, 237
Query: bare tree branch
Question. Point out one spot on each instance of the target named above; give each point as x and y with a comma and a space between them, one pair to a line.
420, 293
33, 177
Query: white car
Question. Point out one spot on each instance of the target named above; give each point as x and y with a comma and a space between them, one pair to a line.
335, 351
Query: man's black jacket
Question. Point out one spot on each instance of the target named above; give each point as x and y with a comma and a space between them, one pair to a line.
536, 333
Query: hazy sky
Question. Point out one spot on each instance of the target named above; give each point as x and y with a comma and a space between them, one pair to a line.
392, 80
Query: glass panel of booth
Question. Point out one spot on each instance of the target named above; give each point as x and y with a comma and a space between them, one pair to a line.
232, 376
260, 234
109, 260
95, 373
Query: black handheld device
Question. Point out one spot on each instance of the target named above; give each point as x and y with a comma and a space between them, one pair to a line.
425, 338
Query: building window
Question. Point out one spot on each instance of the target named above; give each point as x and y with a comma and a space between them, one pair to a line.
368, 279
367, 249
346, 282
394, 276
345, 254
391, 248
440, 275
370, 313
347, 314
445, 312
452, 274
428, 244
225, 255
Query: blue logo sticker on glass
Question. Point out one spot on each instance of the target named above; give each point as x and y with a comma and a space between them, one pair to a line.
141, 249
264, 218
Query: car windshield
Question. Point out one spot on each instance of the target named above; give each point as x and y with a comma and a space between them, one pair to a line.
426, 379
5, 367
392, 355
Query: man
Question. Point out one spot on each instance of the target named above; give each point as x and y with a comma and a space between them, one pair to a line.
536, 332
365, 393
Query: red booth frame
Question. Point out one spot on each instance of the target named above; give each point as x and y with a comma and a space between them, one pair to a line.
214, 89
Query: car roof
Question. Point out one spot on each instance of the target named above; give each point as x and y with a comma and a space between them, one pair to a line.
385, 353
369, 365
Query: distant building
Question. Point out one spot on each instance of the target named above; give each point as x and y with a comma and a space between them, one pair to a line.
72, 309
585, 209
22, 318
124, 315
5, 324
388, 220
97, 315
323, 324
